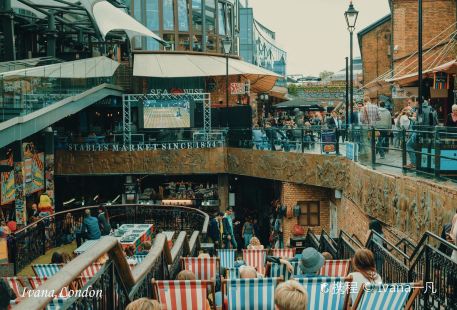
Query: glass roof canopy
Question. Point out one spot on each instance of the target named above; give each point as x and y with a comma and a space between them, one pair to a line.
98, 17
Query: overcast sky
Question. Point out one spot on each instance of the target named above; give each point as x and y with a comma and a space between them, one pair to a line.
314, 32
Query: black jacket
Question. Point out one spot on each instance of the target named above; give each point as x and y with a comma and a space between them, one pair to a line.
213, 231
6, 294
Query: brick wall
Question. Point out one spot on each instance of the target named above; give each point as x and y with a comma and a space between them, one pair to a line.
375, 56
292, 193
438, 15
352, 219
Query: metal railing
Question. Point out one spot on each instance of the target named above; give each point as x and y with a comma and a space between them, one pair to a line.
49, 232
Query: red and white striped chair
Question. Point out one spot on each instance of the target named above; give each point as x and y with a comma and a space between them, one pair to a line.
36, 282
335, 268
16, 285
283, 253
90, 272
182, 295
204, 268
255, 258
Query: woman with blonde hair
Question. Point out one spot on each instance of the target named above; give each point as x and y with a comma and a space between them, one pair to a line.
144, 304
290, 295
255, 244
364, 265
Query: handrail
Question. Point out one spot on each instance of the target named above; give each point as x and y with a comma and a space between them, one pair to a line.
425, 238
194, 242
393, 247
354, 236
107, 244
181, 242
344, 234
42, 219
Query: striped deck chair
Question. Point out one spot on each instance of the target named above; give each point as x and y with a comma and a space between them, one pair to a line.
335, 268
203, 268
283, 253
233, 273
36, 282
46, 270
255, 258
182, 295
387, 296
280, 270
252, 294
326, 292
56, 304
227, 257
16, 285
138, 258
90, 272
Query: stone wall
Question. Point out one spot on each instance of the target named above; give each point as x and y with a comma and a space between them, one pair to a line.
408, 204
292, 193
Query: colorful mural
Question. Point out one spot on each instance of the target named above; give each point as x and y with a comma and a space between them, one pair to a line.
33, 169
7, 189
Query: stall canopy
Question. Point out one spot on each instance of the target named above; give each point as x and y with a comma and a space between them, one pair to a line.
449, 67
79, 69
300, 104
185, 65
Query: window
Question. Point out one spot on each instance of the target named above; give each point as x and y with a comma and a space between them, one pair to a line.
210, 16
221, 19
137, 9
310, 213
168, 15
152, 23
183, 15
197, 18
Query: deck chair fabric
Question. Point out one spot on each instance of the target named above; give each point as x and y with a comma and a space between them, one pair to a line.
90, 272
227, 257
280, 270
56, 304
233, 273
252, 294
386, 296
203, 268
335, 268
325, 292
283, 253
46, 270
255, 258
36, 282
15, 284
182, 295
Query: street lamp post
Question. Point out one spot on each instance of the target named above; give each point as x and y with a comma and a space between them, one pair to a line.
227, 44
419, 60
351, 19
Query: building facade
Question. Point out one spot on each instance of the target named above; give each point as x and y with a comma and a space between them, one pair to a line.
187, 25
258, 45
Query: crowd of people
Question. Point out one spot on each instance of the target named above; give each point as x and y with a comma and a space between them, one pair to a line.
290, 129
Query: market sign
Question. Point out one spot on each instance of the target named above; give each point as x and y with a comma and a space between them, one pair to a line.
107, 147
240, 88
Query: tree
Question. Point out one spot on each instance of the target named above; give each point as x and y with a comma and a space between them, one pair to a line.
325, 75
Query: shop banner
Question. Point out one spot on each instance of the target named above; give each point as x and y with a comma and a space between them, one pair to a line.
7, 189
33, 169
28, 170
49, 176
20, 195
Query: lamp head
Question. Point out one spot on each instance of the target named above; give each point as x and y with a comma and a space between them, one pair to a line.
351, 17
227, 44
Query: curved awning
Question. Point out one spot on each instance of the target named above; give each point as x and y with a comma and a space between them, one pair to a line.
109, 18
176, 65
449, 67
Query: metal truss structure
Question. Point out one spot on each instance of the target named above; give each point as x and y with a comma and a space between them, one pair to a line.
128, 99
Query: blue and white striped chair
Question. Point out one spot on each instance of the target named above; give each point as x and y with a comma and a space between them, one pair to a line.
56, 304
46, 270
280, 270
138, 258
227, 257
233, 273
387, 296
329, 293
252, 294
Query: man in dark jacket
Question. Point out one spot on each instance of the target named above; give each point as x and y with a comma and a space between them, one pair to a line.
215, 229
228, 232
89, 229
103, 222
